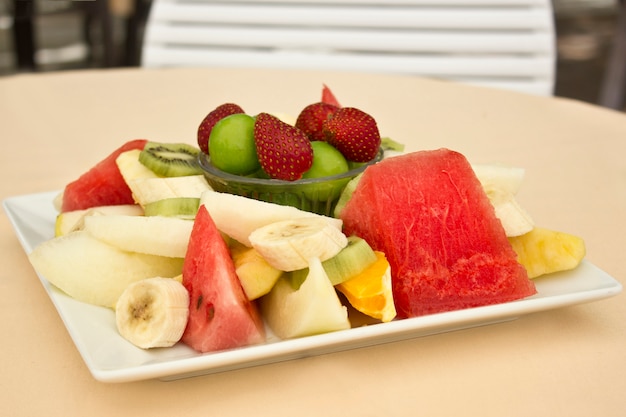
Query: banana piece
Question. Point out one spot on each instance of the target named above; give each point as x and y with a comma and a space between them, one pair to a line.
238, 216
130, 167
153, 312
154, 235
290, 244
149, 190
501, 183
70, 221
515, 220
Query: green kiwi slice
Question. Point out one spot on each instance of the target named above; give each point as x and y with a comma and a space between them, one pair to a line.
350, 261
181, 207
171, 159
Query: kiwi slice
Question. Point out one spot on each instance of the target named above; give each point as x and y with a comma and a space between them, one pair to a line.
389, 144
346, 194
350, 261
181, 207
171, 159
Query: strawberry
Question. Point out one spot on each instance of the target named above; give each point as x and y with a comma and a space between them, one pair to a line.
328, 96
284, 151
312, 117
354, 133
204, 130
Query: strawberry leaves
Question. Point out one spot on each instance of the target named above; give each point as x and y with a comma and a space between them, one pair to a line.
284, 151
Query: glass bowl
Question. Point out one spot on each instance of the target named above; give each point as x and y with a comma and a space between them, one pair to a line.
317, 195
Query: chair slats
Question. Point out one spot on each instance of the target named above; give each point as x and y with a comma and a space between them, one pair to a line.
370, 16
434, 66
452, 3
505, 43
427, 41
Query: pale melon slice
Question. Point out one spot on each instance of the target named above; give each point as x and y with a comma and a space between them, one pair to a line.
312, 309
94, 272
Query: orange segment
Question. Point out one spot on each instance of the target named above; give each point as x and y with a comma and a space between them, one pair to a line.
370, 291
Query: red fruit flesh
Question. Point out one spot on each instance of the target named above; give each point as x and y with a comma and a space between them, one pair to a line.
328, 96
284, 151
428, 212
220, 314
311, 119
354, 133
204, 130
102, 185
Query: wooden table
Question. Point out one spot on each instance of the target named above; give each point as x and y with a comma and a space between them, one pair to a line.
569, 361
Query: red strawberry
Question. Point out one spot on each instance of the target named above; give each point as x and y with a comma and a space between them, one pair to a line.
328, 96
354, 133
284, 151
204, 130
312, 117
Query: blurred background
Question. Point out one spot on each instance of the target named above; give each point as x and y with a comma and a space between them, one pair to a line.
107, 33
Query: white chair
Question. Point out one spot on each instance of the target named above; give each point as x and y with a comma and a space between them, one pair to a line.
498, 43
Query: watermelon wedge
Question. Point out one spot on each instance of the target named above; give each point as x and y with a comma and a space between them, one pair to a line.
328, 97
429, 214
220, 314
102, 185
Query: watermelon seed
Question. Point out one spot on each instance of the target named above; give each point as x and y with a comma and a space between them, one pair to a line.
210, 312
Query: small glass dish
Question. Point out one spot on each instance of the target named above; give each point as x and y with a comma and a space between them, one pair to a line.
317, 195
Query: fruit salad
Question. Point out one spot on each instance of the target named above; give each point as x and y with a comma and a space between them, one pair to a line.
181, 262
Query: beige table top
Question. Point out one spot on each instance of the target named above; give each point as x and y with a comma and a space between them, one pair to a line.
568, 362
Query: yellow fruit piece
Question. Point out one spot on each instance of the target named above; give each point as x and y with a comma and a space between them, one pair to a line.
257, 277
543, 251
370, 291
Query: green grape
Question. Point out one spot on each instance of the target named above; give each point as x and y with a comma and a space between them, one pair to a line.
231, 145
327, 161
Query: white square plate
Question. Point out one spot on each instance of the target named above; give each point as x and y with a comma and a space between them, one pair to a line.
110, 358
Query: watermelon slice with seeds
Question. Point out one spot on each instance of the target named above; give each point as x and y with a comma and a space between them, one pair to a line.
102, 185
447, 249
220, 314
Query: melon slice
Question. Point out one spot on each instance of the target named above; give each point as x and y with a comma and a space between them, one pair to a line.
429, 214
220, 314
94, 272
102, 185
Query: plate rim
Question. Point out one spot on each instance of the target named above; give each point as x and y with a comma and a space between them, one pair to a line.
193, 364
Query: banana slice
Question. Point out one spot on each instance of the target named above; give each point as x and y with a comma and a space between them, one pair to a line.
153, 312
289, 245
238, 216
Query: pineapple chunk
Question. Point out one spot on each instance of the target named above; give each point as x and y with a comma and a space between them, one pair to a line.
543, 251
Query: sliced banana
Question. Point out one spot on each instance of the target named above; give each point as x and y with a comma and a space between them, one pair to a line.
289, 245
153, 312
149, 190
238, 216
130, 167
